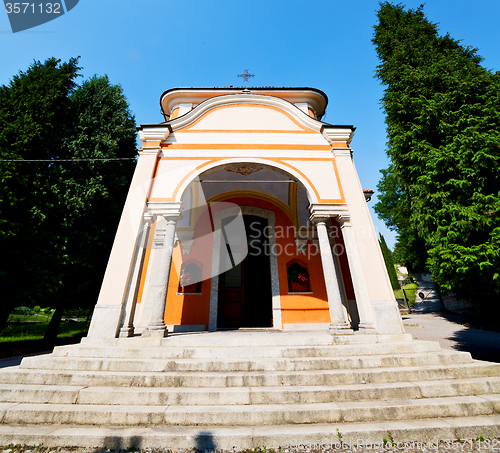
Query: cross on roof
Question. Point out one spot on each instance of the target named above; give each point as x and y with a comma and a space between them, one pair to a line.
246, 75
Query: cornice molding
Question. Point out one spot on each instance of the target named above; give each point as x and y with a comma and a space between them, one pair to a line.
322, 212
317, 99
338, 134
153, 134
150, 151
342, 152
246, 98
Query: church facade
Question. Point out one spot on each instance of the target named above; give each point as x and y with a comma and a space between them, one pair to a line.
245, 211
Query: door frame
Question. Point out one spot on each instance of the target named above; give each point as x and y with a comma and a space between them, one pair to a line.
273, 260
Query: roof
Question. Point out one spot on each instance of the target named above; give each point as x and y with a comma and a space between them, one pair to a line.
368, 194
195, 95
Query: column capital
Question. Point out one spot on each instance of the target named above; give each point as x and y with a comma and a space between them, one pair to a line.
170, 211
318, 218
344, 220
148, 218
321, 212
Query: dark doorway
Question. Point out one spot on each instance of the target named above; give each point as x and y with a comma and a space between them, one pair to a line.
245, 298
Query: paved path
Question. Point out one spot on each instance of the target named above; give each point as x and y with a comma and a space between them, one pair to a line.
16, 360
431, 301
452, 332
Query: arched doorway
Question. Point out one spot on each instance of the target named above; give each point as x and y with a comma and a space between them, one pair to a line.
265, 220
245, 296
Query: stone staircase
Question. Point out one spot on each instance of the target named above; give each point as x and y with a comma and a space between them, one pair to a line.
247, 389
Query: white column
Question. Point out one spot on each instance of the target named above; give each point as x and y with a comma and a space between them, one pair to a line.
107, 315
338, 313
159, 283
366, 324
128, 329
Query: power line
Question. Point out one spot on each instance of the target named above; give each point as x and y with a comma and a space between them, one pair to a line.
67, 160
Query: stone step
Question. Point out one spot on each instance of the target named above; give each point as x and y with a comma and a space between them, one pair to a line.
249, 338
249, 415
53, 394
248, 352
49, 362
475, 369
300, 437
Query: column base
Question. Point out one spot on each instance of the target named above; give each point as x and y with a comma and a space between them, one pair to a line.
126, 332
155, 331
367, 327
340, 329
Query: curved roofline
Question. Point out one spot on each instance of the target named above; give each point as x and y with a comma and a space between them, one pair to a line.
244, 98
252, 90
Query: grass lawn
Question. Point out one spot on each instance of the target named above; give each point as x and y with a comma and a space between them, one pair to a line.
35, 317
410, 291
20, 331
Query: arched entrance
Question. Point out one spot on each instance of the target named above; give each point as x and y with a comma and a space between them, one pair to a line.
245, 298
237, 299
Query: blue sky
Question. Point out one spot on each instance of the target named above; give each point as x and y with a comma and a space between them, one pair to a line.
150, 46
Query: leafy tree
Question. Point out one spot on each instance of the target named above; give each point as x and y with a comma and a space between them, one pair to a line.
59, 214
443, 122
34, 120
94, 191
389, 263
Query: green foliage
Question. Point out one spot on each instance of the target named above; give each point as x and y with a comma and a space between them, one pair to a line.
394, 208
26, 314
443, 122
58, 219
410, 290
389, 263
36, 331
95, 191
34, 120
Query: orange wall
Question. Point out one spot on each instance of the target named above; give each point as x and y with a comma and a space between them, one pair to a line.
192, 309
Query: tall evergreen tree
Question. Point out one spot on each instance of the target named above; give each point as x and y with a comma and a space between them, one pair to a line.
394, 208
389, 262
443, 122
